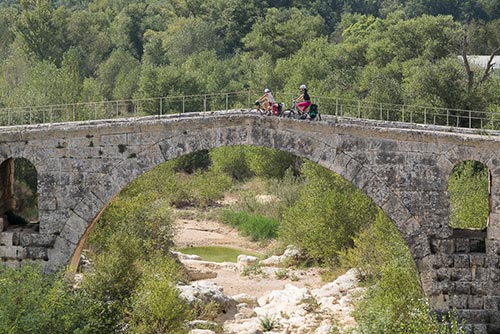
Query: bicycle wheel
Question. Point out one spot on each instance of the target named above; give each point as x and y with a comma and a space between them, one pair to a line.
288, 113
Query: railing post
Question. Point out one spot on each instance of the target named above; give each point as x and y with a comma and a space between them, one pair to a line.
183, 104
31, 115
8, 116
95, 110
470, 119
51, 120
161, 106
425, 115
74, 112
403, 114
381, 112
336, 107
227, 101
204, 102
492, 123
359, 109
447, 117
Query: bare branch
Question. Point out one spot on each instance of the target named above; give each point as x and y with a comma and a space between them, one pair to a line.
489, 67
470, 74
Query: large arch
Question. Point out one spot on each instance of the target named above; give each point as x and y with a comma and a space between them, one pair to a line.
340, 156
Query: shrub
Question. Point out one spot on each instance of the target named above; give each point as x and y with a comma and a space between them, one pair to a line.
156, 304
31, 302
328, 215
469, 196
254, 226
231, 161
394, 302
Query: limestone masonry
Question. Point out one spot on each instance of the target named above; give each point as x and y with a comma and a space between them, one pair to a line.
82, 166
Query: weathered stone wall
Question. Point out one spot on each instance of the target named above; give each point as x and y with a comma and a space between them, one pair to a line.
82, 166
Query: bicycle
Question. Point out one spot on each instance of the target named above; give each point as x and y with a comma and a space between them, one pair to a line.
295, 112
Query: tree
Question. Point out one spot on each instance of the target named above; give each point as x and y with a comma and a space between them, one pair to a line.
279, 33
42, 30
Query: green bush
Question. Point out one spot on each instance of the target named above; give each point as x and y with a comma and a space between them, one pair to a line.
31, 302
327, 216
156, 304
469, 195
394, 302
231, 161
254, 226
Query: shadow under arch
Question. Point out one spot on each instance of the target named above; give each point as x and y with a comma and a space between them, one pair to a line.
344, 157
19, 191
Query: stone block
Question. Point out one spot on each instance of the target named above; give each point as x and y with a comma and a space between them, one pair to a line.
6, 238
37, 253
458, 301
37, 239
462, 245
447, 246
477, 260
462, 288
492, 303
495, 275
461, 274
461, 261
443, 274
12, 252
479, 287
491, 261
474, 316
475, 302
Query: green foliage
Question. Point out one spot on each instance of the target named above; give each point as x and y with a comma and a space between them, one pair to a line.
231, 161
156, 304
328, 215
394, 302
268, 324
32, 302
269, 163
468, 186
254, 226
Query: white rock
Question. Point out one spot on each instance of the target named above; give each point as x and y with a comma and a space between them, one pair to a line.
205, 292
324, 329
247, 259
273, 260
201, 331
291, 252
245, 298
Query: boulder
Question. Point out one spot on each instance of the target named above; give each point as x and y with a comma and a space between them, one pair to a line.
205, 292
246, 259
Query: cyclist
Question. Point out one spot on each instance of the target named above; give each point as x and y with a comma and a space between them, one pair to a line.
303, 101
267, 100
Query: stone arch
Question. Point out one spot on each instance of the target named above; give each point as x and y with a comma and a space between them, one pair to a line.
301, 139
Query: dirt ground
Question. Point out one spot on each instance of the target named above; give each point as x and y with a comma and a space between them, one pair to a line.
191, 232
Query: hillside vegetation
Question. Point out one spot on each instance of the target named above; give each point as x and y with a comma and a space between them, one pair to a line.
407, 52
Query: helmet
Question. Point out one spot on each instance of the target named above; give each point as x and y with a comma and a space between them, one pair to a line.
267, 90
302, 87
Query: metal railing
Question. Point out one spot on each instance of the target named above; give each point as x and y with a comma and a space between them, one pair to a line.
243, 100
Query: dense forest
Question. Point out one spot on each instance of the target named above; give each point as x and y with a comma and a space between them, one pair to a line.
407, 52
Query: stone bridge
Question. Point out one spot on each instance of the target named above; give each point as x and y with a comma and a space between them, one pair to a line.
405, 170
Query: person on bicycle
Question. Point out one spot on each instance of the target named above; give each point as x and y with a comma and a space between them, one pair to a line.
267, 100
303, 101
